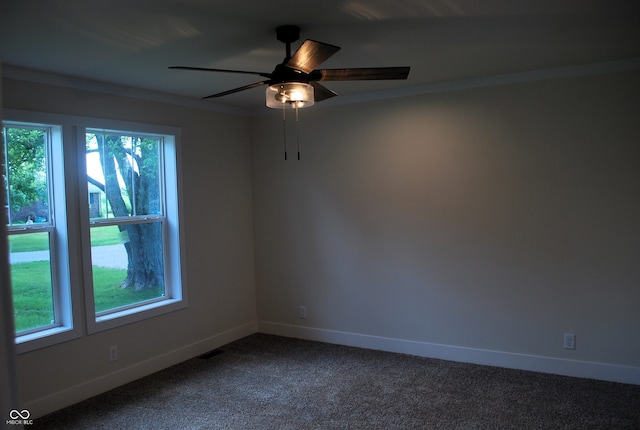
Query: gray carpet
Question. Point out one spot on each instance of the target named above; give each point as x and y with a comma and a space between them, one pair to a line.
270, 382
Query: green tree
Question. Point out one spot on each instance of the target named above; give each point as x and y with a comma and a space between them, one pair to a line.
27, 171
131, 185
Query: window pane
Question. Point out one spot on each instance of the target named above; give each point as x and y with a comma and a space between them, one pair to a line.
128, 265
26, 179
31, 281
123, 173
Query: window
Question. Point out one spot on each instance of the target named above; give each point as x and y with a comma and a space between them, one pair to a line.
36, 229
130, 221
30, 225
93, 215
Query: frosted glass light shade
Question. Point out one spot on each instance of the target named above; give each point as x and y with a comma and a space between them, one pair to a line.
289, 94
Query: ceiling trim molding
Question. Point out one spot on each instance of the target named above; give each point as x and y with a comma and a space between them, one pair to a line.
487, 81
29, 75
40, 77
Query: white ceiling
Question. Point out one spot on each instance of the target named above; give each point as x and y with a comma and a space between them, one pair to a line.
132, 43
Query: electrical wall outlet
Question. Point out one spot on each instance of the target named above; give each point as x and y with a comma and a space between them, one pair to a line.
113, 353
569, 341
302, 312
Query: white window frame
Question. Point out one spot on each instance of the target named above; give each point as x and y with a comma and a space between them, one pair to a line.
175, 291
65, 270
72, 253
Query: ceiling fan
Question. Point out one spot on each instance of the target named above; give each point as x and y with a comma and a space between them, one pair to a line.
294, 82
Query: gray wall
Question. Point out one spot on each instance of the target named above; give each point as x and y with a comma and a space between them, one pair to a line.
219, 253
476, 225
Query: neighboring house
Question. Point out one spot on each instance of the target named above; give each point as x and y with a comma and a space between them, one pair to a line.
95, 199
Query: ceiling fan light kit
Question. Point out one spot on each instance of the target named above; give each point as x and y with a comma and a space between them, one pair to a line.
290, 94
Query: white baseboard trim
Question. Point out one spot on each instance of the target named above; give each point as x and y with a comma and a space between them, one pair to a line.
553, 365
85, 390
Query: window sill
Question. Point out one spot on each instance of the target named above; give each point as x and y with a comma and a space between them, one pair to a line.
139, 313
45, 338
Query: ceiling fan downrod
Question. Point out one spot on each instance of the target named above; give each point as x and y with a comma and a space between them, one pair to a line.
288, 34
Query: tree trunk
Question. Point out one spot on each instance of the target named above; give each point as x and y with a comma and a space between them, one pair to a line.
144, 249
143, 241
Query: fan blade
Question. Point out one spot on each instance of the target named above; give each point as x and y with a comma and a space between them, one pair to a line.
203, 69
235, 90
371, 73
310, 55
320, 92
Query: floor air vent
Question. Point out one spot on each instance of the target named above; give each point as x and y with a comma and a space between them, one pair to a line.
211, 354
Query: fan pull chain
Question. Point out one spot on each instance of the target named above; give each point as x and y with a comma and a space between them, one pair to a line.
284, 129
297, 133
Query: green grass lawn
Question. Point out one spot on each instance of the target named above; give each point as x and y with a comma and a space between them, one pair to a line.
32, 301
40, 241
108, 294
31, 282
101, 236
33, 304
28, 242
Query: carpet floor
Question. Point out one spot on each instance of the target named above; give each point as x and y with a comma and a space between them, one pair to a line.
271, 382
